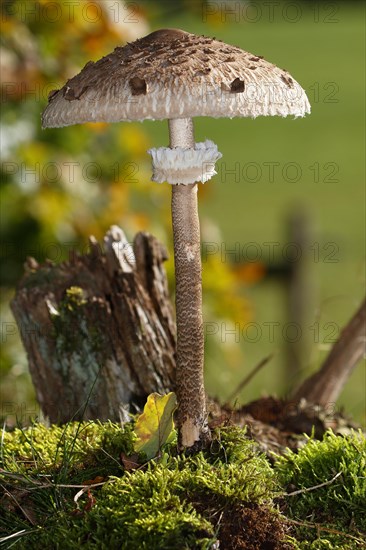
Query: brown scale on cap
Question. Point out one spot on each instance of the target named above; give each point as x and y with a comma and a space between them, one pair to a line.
52, 94
237, 86
203, 72
287, 80
138, 86
170, 74
74, 93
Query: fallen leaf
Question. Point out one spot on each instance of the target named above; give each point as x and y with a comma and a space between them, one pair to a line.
97, 479
130, 462
90, 502
155, 424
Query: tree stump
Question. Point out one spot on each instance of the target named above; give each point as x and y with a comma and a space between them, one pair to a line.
98, 329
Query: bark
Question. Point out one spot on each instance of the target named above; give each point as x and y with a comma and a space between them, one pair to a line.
325, 386
98, 330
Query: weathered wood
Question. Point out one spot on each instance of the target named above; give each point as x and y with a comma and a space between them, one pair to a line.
98, 330
325, 386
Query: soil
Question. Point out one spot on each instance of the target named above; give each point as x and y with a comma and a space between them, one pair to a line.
251, 528
245, 527
277, 424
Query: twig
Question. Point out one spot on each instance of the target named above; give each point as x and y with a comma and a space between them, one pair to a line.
81, 492
27, 516
19, 477
249, 377
42, 485
326, 384
308, 489
326, 529
18, 534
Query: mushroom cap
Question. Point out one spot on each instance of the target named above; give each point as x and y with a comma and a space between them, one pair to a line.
171, 73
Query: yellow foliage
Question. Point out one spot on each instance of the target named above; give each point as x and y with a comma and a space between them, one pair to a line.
49, 206
220, 279
118, 197
251, 272
34, 155
98, 127
133, 139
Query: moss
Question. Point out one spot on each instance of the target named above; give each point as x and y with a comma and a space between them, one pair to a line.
146, 509
225, 494
79, 445
338, 506
162, 506
77, 339
74, 298
70, 330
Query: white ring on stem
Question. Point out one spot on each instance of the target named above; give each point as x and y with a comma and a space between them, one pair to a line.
185, 166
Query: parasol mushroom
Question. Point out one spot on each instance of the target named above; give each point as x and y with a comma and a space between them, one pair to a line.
175, 75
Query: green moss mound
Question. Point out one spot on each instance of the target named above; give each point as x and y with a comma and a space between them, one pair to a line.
171, 502
336, 511
74, 486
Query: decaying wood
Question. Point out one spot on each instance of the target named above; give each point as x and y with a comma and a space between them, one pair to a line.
325, 386
98, 330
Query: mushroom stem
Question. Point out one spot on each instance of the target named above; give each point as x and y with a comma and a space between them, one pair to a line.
191, 414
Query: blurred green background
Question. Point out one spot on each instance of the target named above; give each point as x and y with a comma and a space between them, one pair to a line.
59, 186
